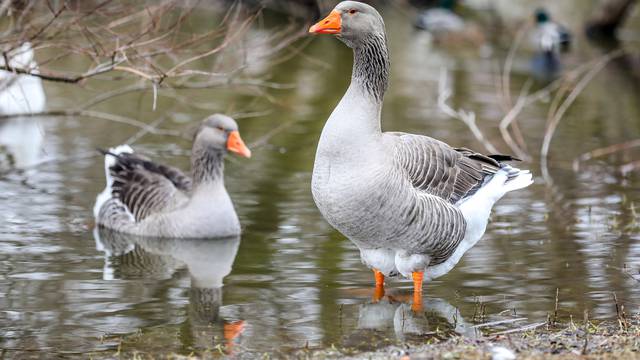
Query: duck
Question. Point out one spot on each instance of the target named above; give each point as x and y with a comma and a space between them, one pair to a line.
146, 198
448, 28
550, 41
440, 19
413, 205
549, 36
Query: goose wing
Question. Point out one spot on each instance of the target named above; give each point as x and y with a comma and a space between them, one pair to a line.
438, 169
145, 187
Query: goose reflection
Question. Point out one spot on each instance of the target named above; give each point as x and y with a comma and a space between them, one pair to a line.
392, 314
208, 261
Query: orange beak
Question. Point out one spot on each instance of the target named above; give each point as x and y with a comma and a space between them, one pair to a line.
332, 24
235, 144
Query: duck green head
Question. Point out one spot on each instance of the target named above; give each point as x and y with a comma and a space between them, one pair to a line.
542, 16
447, 4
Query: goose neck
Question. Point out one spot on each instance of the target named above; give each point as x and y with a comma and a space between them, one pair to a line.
207, 164
371, 66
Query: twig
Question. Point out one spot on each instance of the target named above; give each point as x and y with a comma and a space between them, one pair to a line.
555, 308
520, 329
142, 132
499, 322
261, 141
607, 150
226, 42
586, 332
51, 161
510, 118
468, 118
97, 115
506, 71
555, 118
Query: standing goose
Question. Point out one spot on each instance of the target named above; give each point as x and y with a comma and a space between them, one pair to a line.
150, 199
412, 204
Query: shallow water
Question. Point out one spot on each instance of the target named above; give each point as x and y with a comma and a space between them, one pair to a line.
291, 281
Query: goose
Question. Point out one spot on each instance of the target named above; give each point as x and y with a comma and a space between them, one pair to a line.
413, 205
20, 138
150, 199
21, 94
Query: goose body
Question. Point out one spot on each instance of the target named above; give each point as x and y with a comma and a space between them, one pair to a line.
412, 204
149, 199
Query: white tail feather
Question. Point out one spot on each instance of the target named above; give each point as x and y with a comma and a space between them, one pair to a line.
522, 180
109, 161
476, 210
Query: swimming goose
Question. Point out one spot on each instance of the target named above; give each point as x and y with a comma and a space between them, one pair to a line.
150, 199
412, 204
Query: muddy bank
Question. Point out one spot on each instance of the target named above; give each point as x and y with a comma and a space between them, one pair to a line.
606, 340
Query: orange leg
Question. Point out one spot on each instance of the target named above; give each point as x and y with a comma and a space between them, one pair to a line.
379, 292
417, 291
231, 332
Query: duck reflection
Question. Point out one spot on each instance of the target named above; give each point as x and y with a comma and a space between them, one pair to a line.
392, 314
208, 261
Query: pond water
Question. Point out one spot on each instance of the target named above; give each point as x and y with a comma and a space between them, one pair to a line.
290, 281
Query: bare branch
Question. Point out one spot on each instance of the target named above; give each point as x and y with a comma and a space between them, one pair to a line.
468, 118
556, 116
603, 151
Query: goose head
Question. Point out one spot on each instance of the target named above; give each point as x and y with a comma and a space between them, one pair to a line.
220, 132
352, 22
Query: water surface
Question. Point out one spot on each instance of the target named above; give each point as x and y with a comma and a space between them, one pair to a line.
291, 281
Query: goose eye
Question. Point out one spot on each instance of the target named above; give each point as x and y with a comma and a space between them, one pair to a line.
352, 11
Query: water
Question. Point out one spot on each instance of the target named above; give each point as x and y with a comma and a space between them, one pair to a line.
291, 281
